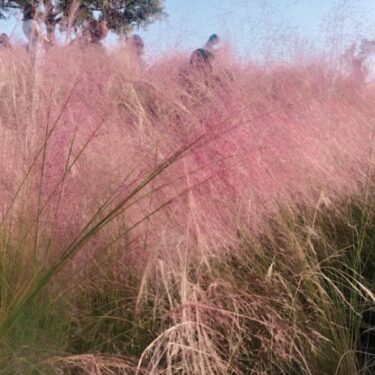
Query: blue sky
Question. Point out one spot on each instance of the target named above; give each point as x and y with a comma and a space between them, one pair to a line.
250, 25
240, 22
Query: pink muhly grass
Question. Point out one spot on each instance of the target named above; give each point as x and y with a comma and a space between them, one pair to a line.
268, 135
191, 164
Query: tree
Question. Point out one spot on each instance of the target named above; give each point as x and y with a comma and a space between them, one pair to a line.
121, 15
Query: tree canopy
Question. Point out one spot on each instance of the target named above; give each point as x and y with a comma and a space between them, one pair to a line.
121, 15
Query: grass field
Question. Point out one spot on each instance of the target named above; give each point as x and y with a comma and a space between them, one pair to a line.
169, 222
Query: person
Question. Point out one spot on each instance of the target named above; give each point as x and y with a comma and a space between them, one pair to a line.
4, 41
197, 75
94, 32
30, 27
135, 50
51, 19
360, 60
202, 58
212, 43
136, 44
99, 31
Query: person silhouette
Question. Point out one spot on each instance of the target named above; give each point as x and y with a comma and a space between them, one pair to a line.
202, 58
4, 41
30, 27
94, 32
